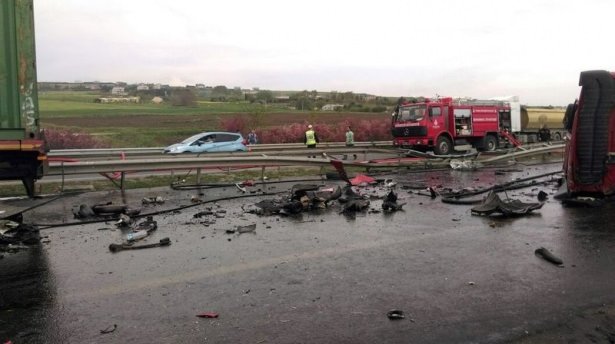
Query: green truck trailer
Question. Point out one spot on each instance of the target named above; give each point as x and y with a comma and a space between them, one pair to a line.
23, 152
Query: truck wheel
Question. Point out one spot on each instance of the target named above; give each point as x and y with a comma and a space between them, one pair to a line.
491, 143
557, 136
443, 146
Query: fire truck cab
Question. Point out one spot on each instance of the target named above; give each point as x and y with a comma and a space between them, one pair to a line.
440, 124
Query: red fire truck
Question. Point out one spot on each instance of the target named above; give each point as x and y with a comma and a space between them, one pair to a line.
440, 124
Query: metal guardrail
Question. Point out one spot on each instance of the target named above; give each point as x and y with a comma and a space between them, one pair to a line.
525, 153
135, 152
201, 162
252, 160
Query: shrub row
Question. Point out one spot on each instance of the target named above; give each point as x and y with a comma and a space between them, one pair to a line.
70, 139
364, 130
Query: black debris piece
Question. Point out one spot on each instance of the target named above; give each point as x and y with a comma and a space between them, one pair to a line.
396, 314
84, 212
124, 221
348, 194
493, 204
104, 210
109, 329
300, 190
542, 196
246, 229
109, 209
355, 205
132, 211
203, 213
120, 247
267, 207
352, 202
13, 233
291, 207
390, 202
548, 256
153, 200
148, 225
432, 193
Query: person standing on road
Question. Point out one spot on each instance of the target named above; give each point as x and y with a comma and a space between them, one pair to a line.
349, 137
310, 138
252, 138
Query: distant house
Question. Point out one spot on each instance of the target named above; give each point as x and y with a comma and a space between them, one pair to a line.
142, 87
118, 90
200, 86
332, 107
156, 87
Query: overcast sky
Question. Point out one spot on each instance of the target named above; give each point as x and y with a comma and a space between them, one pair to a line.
479, 48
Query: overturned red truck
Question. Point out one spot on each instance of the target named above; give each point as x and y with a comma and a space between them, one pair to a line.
442, 123
589, 161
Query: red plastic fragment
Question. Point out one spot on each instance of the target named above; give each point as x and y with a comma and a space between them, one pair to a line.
361, 178
208, 315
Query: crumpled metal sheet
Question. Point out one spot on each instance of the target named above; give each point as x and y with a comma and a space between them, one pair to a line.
493, 204
22, 233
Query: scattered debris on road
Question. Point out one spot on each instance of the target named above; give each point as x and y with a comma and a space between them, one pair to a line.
303, 197
208, 315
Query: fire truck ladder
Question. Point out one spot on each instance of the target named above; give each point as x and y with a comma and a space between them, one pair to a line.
511, 139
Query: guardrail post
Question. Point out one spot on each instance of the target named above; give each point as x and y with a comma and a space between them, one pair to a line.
263, 174
123, 175
62, 185
198, 176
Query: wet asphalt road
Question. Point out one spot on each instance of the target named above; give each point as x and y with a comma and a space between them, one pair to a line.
318, 278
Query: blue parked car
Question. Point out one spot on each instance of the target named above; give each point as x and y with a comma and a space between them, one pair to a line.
209, 142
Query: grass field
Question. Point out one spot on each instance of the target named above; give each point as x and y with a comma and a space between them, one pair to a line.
56, 104
151, 125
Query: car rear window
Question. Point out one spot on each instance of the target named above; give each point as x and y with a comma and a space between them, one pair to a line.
226, 137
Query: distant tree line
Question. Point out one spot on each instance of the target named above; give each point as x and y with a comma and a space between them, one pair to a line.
300, 100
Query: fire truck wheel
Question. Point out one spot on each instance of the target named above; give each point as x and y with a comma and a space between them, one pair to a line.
557, 136
490, 143
443, 146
